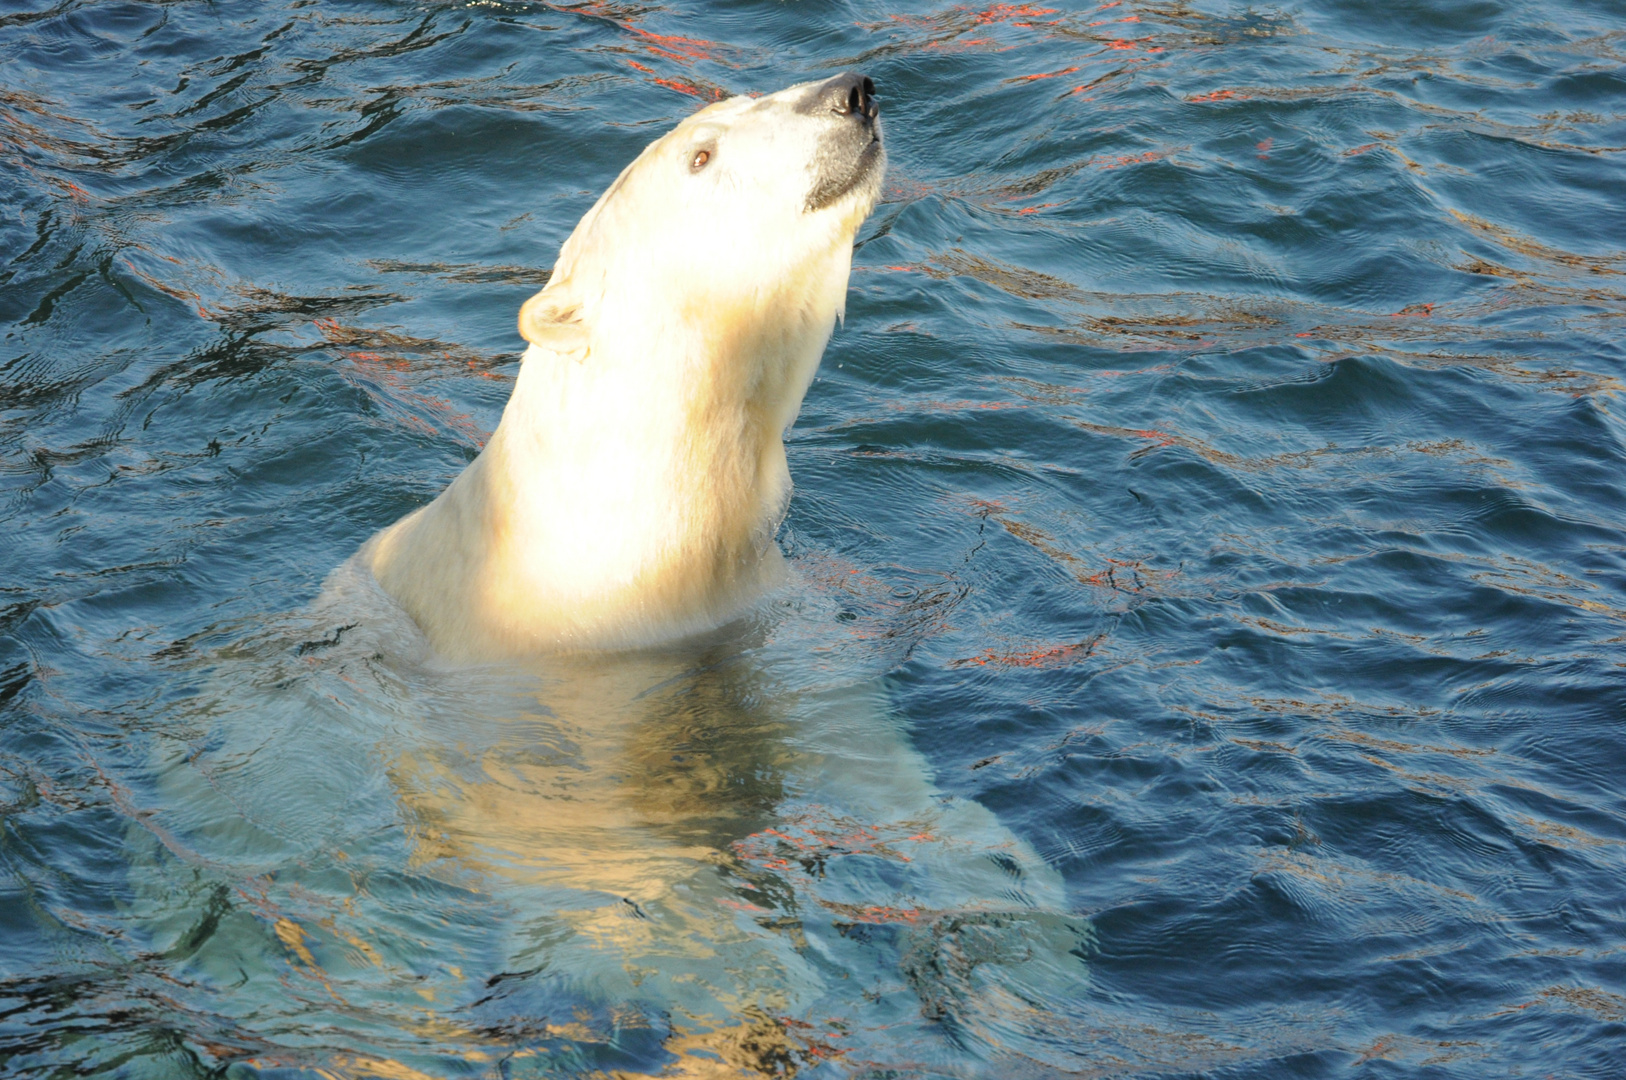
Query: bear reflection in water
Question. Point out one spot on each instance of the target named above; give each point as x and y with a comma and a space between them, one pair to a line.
721, 858
729, 841
735, 843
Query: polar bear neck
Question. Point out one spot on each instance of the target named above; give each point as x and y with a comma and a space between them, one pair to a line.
630, 494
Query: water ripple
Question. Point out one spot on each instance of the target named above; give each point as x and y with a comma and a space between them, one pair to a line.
1221, 461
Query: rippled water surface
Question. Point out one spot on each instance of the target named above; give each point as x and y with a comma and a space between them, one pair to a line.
1209, 647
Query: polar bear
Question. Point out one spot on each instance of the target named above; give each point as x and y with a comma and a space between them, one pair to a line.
729, 842
632, 489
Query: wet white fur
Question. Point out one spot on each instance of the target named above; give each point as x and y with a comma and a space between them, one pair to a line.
632, 489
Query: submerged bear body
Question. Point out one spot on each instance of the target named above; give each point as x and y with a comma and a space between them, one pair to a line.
632, 489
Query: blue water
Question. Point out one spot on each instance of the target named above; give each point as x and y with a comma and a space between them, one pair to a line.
1212, 516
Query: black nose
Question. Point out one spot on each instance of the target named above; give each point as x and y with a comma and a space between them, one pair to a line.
848, 94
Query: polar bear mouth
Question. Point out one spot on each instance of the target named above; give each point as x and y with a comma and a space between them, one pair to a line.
832, 189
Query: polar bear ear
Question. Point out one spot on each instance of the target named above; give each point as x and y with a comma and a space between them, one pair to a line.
552, 320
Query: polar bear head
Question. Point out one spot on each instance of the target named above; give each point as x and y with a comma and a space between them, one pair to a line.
748, 197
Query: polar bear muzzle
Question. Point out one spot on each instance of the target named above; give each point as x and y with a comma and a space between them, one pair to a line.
850, 151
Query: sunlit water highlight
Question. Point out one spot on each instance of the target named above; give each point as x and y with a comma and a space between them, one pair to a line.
1208, 648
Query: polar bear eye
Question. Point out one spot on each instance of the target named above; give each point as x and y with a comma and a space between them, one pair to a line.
699, 160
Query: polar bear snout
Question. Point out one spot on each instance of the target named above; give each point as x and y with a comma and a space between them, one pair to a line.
849, 152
